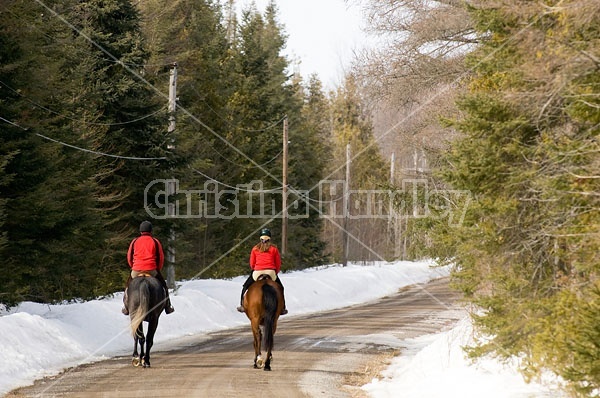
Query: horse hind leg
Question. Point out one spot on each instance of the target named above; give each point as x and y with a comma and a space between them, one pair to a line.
256, 332
141, 340
269, 353
149, 342
269, 356
268, 361
135, 360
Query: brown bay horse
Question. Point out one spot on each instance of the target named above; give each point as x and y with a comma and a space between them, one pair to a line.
263, 303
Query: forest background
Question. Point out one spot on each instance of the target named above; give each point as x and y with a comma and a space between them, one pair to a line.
497, 100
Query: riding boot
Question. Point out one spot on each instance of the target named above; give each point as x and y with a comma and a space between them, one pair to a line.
284, 310
247, 284
125, 310
168, 307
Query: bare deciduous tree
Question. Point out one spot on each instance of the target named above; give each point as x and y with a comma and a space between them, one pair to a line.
412, 77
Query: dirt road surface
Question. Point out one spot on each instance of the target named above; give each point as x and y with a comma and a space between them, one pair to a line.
329, 354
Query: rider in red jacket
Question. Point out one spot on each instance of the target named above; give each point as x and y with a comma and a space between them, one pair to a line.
145, 255
264, 259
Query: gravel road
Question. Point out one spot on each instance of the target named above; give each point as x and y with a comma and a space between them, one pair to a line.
329, 354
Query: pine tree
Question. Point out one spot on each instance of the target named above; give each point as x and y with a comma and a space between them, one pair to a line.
352, 125
105, 69
238, 140
50, 237
191, 34
307, 159
526, 252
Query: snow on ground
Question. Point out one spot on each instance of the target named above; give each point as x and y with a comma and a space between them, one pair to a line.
435, 366
41, 340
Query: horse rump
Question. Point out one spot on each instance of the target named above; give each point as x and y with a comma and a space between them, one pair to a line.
138, 302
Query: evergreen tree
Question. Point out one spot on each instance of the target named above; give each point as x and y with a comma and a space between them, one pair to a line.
84, 121
261, 96
190, 34
368, 171
311, 154
50, 237
105, 71
526, 252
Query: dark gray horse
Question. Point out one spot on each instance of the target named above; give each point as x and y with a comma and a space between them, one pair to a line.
146, 301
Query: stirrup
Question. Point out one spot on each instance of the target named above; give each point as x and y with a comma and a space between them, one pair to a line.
169, 310
241, 308
284, 311
124, 311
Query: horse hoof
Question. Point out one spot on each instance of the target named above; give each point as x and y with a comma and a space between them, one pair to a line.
259, 362
267, 368
135, 362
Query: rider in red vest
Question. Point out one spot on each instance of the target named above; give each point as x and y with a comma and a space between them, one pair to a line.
264, 259
145, 255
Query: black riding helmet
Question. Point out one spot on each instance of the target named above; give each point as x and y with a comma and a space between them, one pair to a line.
265, 232
146, 226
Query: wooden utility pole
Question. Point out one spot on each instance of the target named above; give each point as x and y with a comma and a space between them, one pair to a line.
231, 22
392, 161
391, 212
171, 191
346, 238
284, 221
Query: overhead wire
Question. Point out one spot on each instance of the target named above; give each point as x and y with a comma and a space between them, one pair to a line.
36, 104
79, 120
300, 194
245, 165
231, 125
79, 148
184, 110
237, 188
159, 92
234, 127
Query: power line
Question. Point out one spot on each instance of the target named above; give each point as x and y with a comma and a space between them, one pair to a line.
244, 165
146, 65
79, 148
96, 152
141, 78
299, 193
126, 66
145, 81
79, 120
231, 125
13, 123
236, 187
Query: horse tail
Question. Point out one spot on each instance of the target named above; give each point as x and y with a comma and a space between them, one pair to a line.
138, 314
270, 303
